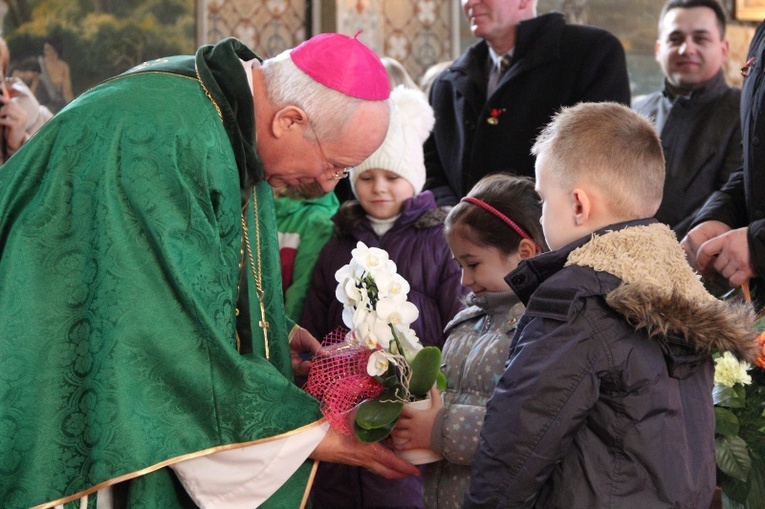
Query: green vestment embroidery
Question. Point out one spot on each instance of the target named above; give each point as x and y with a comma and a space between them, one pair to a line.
119, 249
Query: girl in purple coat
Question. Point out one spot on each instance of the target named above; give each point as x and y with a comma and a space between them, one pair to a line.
391, 213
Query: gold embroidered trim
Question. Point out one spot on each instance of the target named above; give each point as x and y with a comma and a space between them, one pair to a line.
309, 484
172, 461
207, 92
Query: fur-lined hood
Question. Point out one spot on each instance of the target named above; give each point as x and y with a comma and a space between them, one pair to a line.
663, 295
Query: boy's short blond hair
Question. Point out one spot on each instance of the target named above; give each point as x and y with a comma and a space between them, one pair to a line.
610, 146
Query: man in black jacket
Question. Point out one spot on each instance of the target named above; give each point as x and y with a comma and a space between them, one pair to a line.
488, 113
696, 112
728, 240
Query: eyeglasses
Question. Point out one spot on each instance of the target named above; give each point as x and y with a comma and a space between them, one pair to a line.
344, 172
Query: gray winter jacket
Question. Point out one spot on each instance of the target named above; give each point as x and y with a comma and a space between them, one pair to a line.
474, 356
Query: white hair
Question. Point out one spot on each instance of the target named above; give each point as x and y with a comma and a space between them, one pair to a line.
328, 110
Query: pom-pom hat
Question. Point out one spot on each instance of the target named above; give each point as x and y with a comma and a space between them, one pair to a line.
411, 121
344, 64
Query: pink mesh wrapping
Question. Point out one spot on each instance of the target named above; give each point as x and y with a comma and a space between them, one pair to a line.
339, 380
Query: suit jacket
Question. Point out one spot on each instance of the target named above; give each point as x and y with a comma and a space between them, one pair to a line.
553, 65
701, 136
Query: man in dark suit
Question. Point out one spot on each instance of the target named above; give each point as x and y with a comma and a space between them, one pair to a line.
488, 113
696, 112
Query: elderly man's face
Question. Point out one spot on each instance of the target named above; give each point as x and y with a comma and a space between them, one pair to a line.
489, 19
311, 160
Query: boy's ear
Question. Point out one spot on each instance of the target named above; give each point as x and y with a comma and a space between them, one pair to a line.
289, 119
526, 249
582, 206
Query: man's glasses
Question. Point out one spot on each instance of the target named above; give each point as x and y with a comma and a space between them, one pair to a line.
343, 172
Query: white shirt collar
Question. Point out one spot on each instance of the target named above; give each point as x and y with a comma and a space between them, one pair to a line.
496, 59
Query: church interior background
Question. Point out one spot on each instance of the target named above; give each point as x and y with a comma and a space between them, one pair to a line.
103, 38
420, 33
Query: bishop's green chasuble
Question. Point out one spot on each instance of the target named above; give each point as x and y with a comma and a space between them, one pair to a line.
120, 244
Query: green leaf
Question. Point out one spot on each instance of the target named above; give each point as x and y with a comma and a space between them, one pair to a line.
726, 422
375, 413
390, 382
425, 368
441, 381
734, 493
730, 397
732, 457
756, 498
368, 436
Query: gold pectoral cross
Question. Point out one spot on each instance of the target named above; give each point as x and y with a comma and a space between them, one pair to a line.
257, 268
263, 324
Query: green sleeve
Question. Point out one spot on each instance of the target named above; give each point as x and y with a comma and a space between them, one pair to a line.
317, 234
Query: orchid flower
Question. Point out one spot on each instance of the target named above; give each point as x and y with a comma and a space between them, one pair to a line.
397, 313
377, 365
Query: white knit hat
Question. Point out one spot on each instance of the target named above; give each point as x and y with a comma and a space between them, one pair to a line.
411, 121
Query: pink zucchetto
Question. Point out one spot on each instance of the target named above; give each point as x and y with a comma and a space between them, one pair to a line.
344, 64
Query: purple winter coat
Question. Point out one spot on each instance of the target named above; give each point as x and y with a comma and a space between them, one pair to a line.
416, 243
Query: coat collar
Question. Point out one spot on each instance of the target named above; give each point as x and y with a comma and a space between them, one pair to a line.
351, 215
491, 303
643, 275
704, 92
220, 70
532, 272
537, 42
220, 73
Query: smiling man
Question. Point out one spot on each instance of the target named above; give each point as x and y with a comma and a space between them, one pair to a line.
696, 112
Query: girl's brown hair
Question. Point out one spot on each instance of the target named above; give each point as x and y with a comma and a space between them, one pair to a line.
511, 195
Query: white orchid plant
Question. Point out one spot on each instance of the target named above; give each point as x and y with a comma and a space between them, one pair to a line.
398, 368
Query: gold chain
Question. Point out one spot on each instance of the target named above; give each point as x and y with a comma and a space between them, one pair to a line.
207, 92
257, 273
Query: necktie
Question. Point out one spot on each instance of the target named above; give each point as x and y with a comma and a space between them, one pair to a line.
504, 63
497, 72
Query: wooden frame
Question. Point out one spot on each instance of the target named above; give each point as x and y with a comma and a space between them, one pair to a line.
749, 10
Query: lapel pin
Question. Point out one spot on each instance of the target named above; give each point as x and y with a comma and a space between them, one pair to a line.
747, 69
494, 114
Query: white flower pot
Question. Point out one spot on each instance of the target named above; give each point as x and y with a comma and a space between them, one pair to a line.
419, 456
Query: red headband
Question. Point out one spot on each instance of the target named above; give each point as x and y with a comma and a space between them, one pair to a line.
504, 218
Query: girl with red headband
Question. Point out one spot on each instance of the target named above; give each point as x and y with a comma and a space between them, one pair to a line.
489, 232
